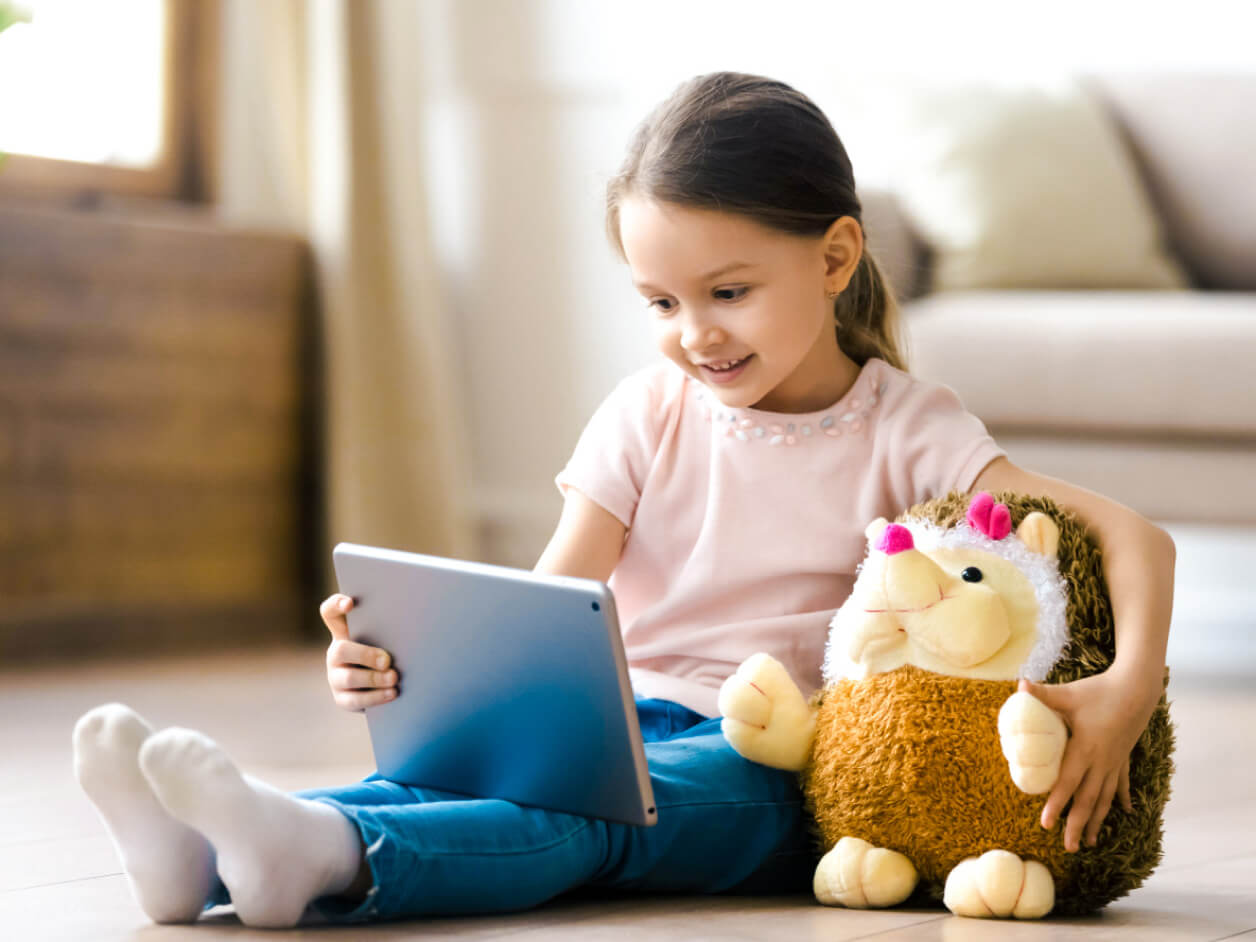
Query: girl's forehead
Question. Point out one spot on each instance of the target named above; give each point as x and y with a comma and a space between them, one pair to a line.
659, 219
668, 240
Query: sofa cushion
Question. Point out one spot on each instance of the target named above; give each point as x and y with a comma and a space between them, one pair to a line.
1027, 187
897, 250
1126, 362
1194, 137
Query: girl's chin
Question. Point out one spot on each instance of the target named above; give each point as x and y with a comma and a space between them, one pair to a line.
732, 398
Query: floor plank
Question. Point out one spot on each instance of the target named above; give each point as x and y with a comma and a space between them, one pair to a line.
60, 878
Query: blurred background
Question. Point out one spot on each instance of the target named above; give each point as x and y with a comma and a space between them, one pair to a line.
279, 274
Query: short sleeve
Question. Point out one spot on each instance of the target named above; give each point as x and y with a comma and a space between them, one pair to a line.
938, 445
616, 449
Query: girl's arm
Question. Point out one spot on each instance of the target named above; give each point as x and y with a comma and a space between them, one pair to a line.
1108, 712
587, 542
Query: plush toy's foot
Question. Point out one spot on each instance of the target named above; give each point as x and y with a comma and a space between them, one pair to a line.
999, 884
857, 875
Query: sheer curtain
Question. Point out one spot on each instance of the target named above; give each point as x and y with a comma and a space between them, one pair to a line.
321, 134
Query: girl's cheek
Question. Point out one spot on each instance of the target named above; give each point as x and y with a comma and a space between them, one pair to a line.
665, 337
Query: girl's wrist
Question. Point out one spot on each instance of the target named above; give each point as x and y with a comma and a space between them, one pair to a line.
1142, 670
1141, 677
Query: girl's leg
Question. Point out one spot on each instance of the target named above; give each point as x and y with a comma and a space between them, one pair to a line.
725, 824
659, 720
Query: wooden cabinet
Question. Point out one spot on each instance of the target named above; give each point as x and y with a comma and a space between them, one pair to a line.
158, 449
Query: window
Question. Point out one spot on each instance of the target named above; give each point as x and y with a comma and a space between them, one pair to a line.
108, 98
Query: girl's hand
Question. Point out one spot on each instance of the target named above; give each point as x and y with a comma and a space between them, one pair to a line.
358, 674
1106, 715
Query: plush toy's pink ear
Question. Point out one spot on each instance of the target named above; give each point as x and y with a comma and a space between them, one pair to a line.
987, 517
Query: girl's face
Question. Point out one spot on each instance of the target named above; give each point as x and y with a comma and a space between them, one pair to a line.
741, 307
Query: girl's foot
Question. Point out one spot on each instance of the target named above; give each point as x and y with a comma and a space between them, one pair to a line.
276, 853
170, 867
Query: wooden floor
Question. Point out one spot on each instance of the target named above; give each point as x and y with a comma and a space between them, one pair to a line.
59, 878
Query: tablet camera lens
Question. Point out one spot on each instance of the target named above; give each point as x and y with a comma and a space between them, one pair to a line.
596, 607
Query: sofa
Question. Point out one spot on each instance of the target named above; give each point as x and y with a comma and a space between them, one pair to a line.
1138, 386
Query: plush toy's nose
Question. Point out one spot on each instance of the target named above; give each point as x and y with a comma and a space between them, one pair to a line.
895, 539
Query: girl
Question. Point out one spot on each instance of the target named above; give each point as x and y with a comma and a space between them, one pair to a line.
723, 494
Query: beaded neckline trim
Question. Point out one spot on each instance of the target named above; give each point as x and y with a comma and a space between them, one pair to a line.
848, 415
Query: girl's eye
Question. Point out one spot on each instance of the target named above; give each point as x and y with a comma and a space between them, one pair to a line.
663, 305
732, 294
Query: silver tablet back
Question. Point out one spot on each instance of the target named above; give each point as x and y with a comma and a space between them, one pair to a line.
511, 684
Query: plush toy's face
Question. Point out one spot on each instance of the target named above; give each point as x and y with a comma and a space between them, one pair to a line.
967, 606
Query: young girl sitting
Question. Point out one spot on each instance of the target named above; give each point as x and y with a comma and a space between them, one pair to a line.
723, 494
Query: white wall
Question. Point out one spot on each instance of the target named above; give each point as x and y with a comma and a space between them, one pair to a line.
529, 105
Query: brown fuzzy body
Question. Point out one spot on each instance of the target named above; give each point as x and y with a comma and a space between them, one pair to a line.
911, 761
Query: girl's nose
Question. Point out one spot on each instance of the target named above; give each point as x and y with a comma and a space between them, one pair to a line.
698, 334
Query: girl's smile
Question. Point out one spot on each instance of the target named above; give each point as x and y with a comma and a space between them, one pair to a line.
724, 371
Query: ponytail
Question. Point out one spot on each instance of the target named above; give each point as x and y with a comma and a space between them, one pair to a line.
867, 316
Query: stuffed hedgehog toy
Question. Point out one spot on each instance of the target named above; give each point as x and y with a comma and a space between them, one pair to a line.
924, 768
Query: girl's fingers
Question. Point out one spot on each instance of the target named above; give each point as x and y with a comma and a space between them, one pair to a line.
1083, 807
1071, 772
1102, 806
1123, 787
355, 678
333, 612
359, 700
353, 654
334, 605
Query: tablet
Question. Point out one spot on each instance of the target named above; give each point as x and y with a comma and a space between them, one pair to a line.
511, 684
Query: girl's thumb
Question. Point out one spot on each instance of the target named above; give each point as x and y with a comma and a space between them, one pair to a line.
1050, 694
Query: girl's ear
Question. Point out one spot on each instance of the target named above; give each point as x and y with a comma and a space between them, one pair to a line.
843, 248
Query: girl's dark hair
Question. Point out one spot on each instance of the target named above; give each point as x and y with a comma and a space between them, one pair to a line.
757, 147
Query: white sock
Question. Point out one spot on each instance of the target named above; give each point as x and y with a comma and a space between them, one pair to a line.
276, 853
170, 866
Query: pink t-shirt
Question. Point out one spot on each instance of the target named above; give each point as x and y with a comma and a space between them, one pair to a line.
746, 526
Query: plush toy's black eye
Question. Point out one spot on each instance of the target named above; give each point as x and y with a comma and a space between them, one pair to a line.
971, 574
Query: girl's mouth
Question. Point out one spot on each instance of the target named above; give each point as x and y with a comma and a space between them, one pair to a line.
727, 372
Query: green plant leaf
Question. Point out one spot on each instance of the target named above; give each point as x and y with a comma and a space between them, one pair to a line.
10, 14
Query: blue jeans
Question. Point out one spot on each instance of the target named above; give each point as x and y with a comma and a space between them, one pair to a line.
724, 825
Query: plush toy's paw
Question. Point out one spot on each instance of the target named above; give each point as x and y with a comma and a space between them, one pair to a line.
857, 875
1033, 738
766, 718
999, 884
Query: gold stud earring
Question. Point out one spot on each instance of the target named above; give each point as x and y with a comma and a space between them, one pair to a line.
832, 295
